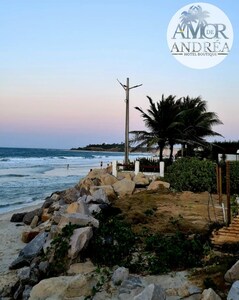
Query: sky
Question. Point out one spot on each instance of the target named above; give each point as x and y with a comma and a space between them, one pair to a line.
60, 61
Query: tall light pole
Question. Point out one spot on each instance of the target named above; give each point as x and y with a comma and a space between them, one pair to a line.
126, 146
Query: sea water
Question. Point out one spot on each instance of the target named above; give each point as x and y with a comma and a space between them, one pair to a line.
28, 176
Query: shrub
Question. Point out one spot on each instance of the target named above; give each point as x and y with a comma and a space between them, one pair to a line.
192, 174
234, 177
57, 253
173, 252
112, 242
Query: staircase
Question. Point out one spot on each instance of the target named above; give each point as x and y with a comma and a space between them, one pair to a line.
227, 235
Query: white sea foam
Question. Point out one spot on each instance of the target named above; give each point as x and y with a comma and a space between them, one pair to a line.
27, 176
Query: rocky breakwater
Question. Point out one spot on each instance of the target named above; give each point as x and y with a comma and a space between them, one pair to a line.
52, 264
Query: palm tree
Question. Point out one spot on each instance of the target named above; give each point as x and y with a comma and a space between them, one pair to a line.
162, 120
196, 122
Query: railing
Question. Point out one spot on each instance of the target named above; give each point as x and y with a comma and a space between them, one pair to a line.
136, 168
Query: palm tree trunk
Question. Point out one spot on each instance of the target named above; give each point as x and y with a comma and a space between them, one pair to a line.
171, 153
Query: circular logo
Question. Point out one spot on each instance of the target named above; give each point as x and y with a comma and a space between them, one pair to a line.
200, 35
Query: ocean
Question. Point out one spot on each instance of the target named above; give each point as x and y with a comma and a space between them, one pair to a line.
28, 176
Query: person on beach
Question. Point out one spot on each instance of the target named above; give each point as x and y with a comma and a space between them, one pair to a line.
101, 164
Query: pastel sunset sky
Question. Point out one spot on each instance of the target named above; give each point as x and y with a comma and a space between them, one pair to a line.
60, 60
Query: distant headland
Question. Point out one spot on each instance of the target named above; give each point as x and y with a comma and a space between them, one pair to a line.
115, 147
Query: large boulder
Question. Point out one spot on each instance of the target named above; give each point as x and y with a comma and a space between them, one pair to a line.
81, 268
107, 179
100, 197
141, 180
125, 175
209, 294
119, 275
18, 217
79, 240
77, 218
78, 207
234, 291
158, 185
29, 252
64, 287
233, 273
124, 187
70, 195
108, 190
30, 215
151, 292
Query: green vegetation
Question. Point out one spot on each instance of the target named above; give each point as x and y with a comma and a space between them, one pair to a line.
119, 147
183, 121
192, 174
112, 242
57, 253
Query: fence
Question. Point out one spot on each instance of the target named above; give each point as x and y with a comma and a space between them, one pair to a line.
116, 165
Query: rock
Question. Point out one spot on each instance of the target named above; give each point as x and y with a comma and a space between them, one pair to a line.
125, 175
26, 292
158, 185
234, 291
96, 173
79, 240
72, 208
94, 208
83, 207
108, 189
89, 199
18, 217
29, 252
63, 287
48, 202
45, 226
78, 219
30, 215
43, 266
99, 196
132, 285
107, 179
54, 207
27, 276
124, 187
55, 196
45, 215
174, 283
151, 292
78, 207
70, 195
81, 268
209, 294
119, 275
141, 180
18, 292
233, 273
28, 236
34, 222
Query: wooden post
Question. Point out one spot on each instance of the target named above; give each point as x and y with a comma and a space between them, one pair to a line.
219, 183
228, 193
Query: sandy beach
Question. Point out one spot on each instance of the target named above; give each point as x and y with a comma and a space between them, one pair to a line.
11, 244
